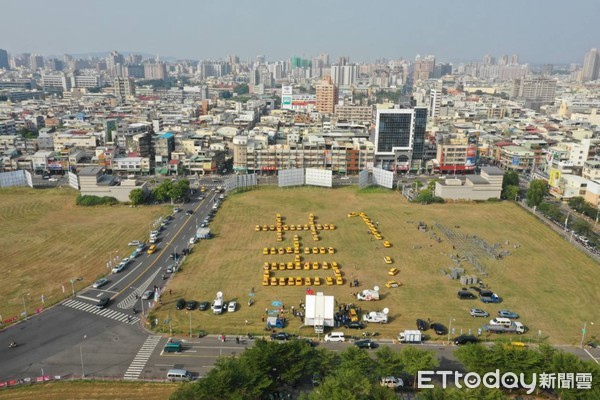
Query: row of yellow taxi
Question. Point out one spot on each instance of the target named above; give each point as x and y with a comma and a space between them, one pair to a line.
307, 265
305, 227
299, 281
296, 250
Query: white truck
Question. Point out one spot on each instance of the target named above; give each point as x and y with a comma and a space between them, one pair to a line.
369, 294
377, 317
514, 327
410, 336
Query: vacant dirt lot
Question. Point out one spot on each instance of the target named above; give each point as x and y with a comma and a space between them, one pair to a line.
549, 283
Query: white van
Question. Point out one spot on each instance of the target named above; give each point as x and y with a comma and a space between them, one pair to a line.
217, 306
175, 375
335, 337
501, 321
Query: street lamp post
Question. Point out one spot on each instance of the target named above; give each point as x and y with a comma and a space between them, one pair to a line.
567, 221
583, 331
81, 356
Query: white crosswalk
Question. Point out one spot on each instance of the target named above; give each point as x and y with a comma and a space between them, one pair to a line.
130, 300
105, 312
141, 358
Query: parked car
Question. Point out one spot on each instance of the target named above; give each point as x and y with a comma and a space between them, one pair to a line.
100, 282
508, 314
393, 271
134, 243
478, 312
422, 325
490, 299
148, 294
189, 212
180, 304
439, 329
392, 284
365, 344
465, 295
203, 306
232, 306
391, 382
465, 339
280, 336
174, 256
191, 305
103, 302
354, 325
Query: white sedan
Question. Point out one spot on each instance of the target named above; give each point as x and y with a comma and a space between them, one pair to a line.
232, 306
134, 243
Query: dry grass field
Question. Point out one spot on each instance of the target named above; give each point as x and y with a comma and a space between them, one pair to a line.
47, 240
93, 390
550, 284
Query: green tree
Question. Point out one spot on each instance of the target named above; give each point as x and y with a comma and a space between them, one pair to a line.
510, 192
162, 192
576, 203
415, 359
426, 196
179, 190
535, 193
511, 178
226, 94
136, 196
480, 393
388, 362
582, 227
349, 384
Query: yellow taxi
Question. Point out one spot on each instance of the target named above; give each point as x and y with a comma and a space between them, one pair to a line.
306, 265
388, 260
286, 228
282, 281
326, 227
319, 227
151, 249
292, 227
265, 228
352, 214
392, 284
289, 250
272, 227
331, 227
282, 266
297, 265
297, 259
315, 238
257, 228
329, 281
265, 281
306, 227
290, 265
315, 250
307, 250
387, 244
330, 250
315, 265
339, 280
393, 271
317, 281
325, 265
291, 281
273, 281
296, 250
307, 281
322, 250
266, 251
334, 265
337, 273
281, 251
298, 227
279, 238
274, 266
296, 238
299, 281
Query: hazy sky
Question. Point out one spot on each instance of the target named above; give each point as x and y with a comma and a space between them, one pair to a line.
538, 31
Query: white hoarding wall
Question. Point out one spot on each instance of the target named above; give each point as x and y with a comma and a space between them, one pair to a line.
383, 178
240, 182
363, 179
15, 178
230, 184
319, 177
290, 177
73, 180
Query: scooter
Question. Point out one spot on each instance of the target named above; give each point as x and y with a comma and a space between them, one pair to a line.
13, 344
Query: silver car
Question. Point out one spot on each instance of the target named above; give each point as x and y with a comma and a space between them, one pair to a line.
478, 312
100, 282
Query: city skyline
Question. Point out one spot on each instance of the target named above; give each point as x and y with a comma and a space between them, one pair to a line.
211, 30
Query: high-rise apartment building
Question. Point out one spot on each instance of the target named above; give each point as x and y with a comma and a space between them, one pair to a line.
400, 138
424, 68
537, 91
124, 88
3, 59
591, 65
156, 70
344, 75
36, 62
327, 97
